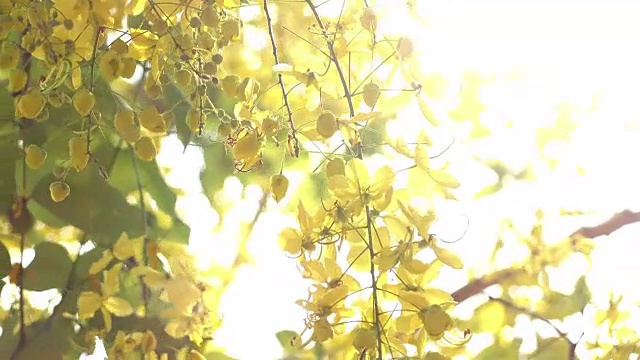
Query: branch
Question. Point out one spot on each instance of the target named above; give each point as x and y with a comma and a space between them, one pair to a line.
614, 223
334, 58
478, 285
296, 143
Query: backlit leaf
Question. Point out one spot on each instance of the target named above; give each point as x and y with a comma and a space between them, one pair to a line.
49, 269
93, 206
5, 260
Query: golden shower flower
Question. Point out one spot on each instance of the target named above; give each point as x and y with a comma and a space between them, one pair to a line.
356, 186
90, 301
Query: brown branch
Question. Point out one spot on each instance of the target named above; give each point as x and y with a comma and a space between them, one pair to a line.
478, 285
614, 223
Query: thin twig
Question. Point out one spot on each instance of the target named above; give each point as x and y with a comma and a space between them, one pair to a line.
91, 85
22, 340
531, 314
292, 128
562, 335
145, 291
334, 58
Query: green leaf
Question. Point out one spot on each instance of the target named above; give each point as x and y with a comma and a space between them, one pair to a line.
83, 263
124, 178
49, 269
491, 317
284, 338
9, 152
559, 305
218, 166
5, 261
488, 190
93, 206
551, 349
49, 341
501, 351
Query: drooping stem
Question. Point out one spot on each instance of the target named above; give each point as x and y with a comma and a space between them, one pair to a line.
348, 96
274, 47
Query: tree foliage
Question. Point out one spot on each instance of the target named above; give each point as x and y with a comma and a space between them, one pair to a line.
94, 90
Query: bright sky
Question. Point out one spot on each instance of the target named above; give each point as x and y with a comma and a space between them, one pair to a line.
567, 51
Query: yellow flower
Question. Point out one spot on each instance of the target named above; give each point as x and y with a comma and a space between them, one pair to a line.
328, 273
357, 186
294, 241
422, 224
429, 320
123, 249
139, 344
89, 301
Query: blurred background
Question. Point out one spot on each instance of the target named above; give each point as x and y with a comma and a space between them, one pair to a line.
539, 100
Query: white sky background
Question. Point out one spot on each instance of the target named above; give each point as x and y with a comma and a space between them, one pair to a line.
568, 51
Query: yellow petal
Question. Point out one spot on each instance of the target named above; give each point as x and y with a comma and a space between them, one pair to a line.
338, 183
437, 296
422, 157
290, 241
135, 7
123, 248
400, 147
322, 330
333, 296
335, 166
182, 293
333, 270
118, 306
383, 179
76, 76
88, 303
358, 172
154, 279
383, 200
176, 329
415, 266
363, 117
387, 259
415, 299
111, 283
358, 256
314, 270
408, 323
447, 256
444, 178
102, 263
106, 315
426, 110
